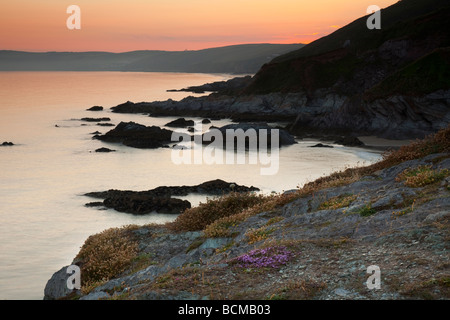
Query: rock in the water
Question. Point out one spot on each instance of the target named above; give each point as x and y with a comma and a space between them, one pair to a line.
181, 123
350, 142
284, 138
96, 119
137, 135
104, 150
138, 203
6, 143
95, 108
320, 145
105, 124
94, 204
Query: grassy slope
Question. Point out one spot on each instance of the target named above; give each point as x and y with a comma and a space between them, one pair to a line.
427, 74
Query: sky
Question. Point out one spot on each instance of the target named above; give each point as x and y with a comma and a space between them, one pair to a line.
127, 25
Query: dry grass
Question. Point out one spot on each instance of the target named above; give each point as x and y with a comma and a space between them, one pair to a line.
337, 202
106, 255
422, 176
200, 217
299, 290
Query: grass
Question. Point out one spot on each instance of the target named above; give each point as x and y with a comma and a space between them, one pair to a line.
298, 290
337, 202
259, 234
198, 218
427, 290
367, 211
105, 255
422, 176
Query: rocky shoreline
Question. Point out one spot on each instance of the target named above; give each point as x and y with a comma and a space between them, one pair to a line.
317, 243
322, 113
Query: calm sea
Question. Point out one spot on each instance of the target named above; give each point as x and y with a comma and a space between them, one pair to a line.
43, 220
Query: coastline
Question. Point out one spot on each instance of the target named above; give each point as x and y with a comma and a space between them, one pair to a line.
320, 239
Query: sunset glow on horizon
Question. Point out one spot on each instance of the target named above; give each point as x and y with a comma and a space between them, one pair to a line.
120, 26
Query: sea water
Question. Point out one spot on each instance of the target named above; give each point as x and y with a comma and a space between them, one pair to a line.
43, 220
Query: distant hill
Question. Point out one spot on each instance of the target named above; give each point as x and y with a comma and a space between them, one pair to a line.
237, 59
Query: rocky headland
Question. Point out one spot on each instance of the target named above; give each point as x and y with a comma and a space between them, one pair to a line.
392, 83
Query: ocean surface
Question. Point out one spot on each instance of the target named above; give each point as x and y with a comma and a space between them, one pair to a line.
43, 220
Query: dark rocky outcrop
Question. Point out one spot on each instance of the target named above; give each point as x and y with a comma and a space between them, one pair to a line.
95, 108
320, 145
87, 119
180, 123
6, 143
161, 198
229, 87
137, 136
350, 142
284, 138
104, 150
105, 124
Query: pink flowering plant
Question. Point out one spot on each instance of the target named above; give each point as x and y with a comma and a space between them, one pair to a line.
271, 257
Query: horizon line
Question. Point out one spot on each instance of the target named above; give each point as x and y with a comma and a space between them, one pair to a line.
161, 50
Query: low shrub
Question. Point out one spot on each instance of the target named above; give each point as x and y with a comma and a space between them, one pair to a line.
341, 201
198, 218
105, 255
422, 176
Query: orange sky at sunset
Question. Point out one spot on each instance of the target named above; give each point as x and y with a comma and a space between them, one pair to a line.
118, 26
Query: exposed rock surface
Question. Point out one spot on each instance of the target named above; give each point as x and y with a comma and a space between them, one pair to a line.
7, 144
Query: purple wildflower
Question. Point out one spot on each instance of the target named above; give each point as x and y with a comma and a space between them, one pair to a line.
272, 257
